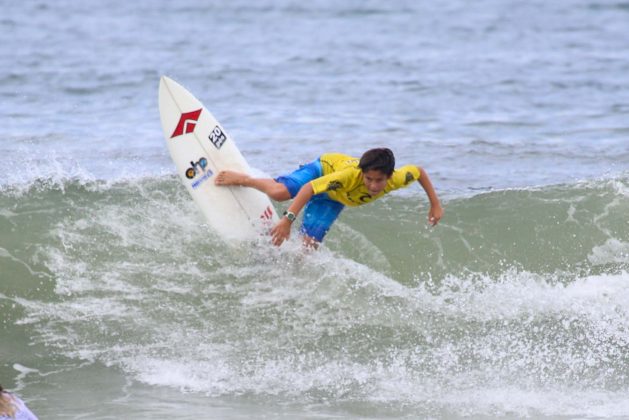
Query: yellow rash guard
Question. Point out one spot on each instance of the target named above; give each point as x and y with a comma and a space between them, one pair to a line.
343, 180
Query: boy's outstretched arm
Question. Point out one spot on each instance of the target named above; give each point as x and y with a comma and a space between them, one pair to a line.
281, 230
436, 211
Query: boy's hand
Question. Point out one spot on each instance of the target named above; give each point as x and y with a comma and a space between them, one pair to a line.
281, 231
434, 215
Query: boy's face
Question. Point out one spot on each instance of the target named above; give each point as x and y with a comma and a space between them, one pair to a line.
375, 181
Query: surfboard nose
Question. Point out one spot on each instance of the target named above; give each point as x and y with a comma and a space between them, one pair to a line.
162, 83
165, 81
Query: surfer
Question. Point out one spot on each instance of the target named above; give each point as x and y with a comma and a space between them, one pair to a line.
331, 182
12, 407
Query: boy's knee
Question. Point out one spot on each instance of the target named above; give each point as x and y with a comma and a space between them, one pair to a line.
280, 193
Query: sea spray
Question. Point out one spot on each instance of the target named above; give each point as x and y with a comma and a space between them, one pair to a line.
470, 317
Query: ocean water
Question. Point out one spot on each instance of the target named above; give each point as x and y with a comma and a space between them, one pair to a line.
118, 301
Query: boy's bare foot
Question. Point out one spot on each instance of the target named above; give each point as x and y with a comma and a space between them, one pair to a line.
226, 178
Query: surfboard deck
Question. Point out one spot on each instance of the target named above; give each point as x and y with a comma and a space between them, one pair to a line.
200, 148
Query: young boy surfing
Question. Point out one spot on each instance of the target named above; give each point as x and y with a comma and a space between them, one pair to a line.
328, 184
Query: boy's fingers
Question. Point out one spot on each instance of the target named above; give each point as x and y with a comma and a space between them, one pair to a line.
278, 238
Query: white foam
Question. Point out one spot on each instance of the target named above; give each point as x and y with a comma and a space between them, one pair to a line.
515, 293
613, 251
522, 402
169, 306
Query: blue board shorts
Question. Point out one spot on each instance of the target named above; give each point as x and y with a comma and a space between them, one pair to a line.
320, 211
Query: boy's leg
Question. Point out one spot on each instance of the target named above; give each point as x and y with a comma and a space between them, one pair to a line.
280, 189
277, 191
319, 215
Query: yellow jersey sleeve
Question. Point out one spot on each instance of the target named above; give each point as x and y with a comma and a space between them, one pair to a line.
403, 177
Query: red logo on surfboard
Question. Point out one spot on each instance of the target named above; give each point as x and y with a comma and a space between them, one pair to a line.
267, 214
187, 122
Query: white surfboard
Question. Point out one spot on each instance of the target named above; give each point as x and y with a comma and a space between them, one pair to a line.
200, 148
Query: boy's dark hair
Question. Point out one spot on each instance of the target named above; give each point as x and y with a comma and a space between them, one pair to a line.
380, 159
